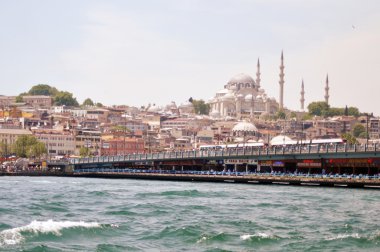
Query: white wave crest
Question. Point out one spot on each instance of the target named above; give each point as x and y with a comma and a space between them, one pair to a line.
14, 236
344, 236
257, 235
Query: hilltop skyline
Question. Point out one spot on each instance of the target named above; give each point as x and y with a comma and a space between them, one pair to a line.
118, 52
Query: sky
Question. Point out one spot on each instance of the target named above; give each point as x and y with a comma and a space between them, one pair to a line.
157, 51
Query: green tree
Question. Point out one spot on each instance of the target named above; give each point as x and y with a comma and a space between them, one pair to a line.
333, 112
280, 114
37, 150
4, 149
43, 89
84, 151
363, 135
358, 129
306, 117
350, 139
65, 98
88, 102
200, 107
293, 115
28, 146
99, 104
19, 98
319, 108
353, 111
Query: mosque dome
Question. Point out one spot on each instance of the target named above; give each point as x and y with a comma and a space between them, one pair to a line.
241, 81
244, 126
154, 109
186, 104
281, 139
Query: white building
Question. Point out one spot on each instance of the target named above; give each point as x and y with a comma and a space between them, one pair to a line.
242, 97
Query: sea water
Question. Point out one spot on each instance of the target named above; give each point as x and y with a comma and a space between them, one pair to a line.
84, 214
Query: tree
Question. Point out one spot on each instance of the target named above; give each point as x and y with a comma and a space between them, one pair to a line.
65, 98
37, 150
333, 112
353, 111
364, 135
99, 105
28, 146
280, 114
350, 139
318, 108
88, 102
358, 129
306, 117
43, 89
4, 149
19, 98
200, 107
84, 151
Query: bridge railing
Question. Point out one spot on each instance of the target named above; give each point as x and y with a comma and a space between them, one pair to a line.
232, 152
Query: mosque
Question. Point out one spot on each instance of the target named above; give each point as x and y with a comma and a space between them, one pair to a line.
243, 97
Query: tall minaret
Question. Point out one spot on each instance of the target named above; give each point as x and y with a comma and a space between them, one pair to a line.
282, 81
302, 97
327, 88
258, 79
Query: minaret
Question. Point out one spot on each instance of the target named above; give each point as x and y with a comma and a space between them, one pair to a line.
258, 80
302, 97
282, 81
327, 90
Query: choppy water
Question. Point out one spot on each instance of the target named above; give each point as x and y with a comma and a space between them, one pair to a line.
81, 214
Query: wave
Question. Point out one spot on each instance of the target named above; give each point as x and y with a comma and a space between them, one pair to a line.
258, 236
16, 235
369, 237
219, 237
344, 236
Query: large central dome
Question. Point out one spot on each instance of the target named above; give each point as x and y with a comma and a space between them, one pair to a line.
241, 81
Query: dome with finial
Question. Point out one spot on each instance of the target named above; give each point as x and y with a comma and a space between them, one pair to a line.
240, 81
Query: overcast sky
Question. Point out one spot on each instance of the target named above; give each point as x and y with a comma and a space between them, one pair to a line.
158, 51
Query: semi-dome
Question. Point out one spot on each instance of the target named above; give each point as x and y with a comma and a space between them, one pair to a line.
228, 96
223, 91
248, 97
244, 126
